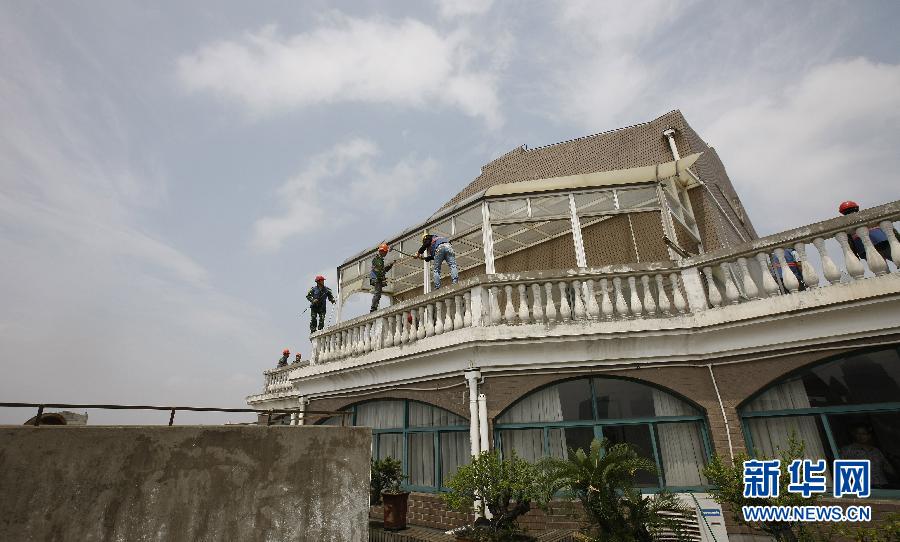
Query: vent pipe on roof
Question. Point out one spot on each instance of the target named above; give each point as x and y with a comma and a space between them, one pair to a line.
670, 135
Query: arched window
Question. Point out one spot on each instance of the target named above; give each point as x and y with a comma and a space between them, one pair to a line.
845, 408
430, 441
570, 414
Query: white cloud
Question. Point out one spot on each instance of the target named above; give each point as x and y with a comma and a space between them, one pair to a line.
449, 9
404, 63
339, 185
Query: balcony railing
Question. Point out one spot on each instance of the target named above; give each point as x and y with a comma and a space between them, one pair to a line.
739, 274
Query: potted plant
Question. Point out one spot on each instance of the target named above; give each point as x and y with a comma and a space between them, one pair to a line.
387, 475
506, 488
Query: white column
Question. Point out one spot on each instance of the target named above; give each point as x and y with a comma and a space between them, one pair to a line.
484, 435
426, 277
420, 329
487, 238
301, 416
580, 257
472, 377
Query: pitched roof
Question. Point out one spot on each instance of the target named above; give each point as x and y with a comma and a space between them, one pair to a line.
634, 146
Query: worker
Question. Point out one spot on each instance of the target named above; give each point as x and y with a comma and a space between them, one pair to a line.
297, 358
439, 249
879, 238
284, 357
317, 296
377, 277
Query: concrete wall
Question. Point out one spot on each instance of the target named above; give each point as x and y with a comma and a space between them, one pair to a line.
245, 483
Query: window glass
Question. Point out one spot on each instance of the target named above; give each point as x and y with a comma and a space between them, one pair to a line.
570, 400
771, 435
871, 377
549, 206
874, 436
594, 202
639, 437
508, 209
681, 453
561, 440
441, 228
455, 452
638, 197
622, 399
469, 219
423, 415
421, 459
390, 445
380, 414
527, 443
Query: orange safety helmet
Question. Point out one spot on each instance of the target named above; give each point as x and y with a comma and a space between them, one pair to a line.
848, 207
286, 352
320, 277
384, 248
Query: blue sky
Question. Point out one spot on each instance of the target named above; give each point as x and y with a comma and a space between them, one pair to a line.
172, 175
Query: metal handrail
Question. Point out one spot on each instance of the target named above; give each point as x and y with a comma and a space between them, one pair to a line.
173, 409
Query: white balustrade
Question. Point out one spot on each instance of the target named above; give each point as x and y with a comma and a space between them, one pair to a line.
664, 306
537, 306
606, 306
565, 310
854, 267
438, 318
637, 310
750, 288
448, 316
876, 262
649, 304
621, 307
457, 312
509, 312
495, 305
551, 306
829, 269
593, 308
731, 292
467, 315
523, 313
579, 309
713, 295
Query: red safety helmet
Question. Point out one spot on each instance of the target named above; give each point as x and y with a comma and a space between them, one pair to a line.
286, 352
320, 277
383, 248
848, 207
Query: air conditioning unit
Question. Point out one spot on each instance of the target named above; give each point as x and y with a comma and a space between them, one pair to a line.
704, 523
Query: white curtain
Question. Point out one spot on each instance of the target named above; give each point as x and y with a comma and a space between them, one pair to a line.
541, 406
680, 444
421, 459
422, 415
771, 434
380, 414
390, 445
455, 452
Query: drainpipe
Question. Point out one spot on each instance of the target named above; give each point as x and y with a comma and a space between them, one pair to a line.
722, 407
670, 135
483, 422
473, 374
301, 415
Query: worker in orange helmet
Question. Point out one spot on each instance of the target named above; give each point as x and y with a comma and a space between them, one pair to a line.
378, 274
317, 295
284, 357
879, 238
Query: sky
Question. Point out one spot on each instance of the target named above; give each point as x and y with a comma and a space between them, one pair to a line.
174, 174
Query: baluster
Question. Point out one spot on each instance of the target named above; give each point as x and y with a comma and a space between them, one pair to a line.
448, 316
593, 309
420, 329
495, 305
438, 318
876, 262
636, 309
337, 345
552, 315
747, 281
323, 355
888, 228
509, 313
458, 312
664, 306
398, 329
344, 347
467, 316
537, 304
621, 306
788, 279
606, 306
360, 340
523, 304
332, 346
714, 297
388, 331
378, 332
565, 310
769, 286
429, 320
810, 277
731, 292
579, 309
831, 271
854, 267
366, 344
649, 304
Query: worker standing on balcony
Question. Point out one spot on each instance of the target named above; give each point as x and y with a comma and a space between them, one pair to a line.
317, 295
879, 238
284, 357
439, 249
378, 275
297, 358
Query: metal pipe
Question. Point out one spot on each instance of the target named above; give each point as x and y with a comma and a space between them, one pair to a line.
483, 422
722, 406
473, 375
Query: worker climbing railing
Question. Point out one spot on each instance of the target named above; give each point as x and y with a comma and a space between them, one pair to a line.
816, 256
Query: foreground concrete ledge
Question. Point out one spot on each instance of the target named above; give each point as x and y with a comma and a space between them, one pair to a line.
137, 483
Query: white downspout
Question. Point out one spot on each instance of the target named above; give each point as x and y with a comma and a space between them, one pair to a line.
473, 375
483, 422
722, 407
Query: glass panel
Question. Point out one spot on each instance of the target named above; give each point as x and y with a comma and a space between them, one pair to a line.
549, 206
567, 401
681, 453
421, 459
455, 452
380, 414
871, 377
595, 202
503, 210
872, 436
442, 228
770, 435
424, 415
390, 445
623, 399
469, 219
334, 420
527, 443
564, 439
639, 197
639, 437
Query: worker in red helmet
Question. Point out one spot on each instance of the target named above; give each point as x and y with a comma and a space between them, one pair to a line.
878, 237
284, 357
317, 296
378, 275
297, 358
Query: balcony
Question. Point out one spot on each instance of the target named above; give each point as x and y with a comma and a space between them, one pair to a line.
740, 283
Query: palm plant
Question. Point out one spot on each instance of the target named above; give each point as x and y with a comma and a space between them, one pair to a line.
603, 479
